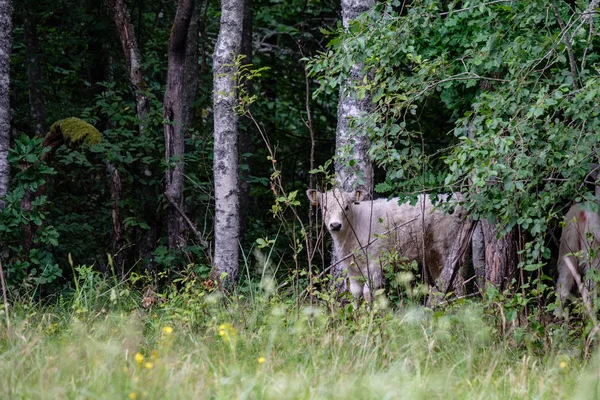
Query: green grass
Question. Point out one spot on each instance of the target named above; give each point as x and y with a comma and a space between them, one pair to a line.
88, 351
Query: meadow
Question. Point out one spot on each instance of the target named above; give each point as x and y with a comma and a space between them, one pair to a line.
100, 343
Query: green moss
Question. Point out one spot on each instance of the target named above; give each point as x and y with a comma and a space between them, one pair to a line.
75, 130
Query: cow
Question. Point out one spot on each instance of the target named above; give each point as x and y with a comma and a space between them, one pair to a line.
364, 230
578, 251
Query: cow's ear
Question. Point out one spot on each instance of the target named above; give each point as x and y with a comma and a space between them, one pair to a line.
359, 195
314, 196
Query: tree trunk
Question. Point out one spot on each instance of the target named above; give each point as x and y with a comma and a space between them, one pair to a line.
494, 259
132, 56
478, 252
115, 195
450, 276
226, 166
133, 60
34, 73
192, 68
5, 48
173, 129
500, 256
351, 145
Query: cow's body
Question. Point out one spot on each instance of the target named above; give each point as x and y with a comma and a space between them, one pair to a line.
363, 231
579, 247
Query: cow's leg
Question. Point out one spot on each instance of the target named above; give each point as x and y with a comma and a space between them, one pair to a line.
356, 288
564, 283
374, 282
565, 278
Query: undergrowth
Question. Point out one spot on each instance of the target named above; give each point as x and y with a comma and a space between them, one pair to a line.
194, 343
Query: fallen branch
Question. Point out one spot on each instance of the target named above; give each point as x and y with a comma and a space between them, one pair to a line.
202, 241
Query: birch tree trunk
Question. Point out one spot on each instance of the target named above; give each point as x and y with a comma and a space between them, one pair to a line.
173, 128
353, 168
5, 48
227, 211
352, 146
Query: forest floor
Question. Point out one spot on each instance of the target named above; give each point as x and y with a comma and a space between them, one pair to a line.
101, 344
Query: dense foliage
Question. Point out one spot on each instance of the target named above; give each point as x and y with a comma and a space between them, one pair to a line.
83, 74
494, 100
497, 101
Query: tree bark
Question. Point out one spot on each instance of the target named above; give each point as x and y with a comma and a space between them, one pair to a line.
34, 72
351, 145
173, 129
500, 256
5, 49
478, 252
115, 195
450, 276
120, 15
192, 68
226, 164
133, 60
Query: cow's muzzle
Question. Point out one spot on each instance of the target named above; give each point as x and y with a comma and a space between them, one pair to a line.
335, 226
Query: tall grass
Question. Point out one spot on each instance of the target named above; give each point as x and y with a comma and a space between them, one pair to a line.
196, 346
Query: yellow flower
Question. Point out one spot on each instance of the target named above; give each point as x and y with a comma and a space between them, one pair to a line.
154, 354
261, 360
221, 332
148, 365
167, 330
563, 364
139, 358
132, 395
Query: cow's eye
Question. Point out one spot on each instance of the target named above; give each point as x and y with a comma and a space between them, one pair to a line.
347, 207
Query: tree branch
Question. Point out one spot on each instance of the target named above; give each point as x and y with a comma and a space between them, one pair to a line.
202, 241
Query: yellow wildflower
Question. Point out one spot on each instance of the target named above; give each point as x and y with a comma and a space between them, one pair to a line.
563, 364
261, 360
227, 331
154, 354
167, 330
148, 365
132, 395
139, 358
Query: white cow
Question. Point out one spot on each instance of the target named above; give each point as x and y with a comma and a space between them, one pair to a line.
579, 248
362, 230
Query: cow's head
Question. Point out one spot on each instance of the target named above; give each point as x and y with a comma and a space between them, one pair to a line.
335, 205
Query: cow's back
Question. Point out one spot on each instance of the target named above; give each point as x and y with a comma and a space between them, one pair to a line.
390, 226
